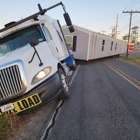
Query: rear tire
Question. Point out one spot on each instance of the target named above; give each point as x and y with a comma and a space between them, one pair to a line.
65, 85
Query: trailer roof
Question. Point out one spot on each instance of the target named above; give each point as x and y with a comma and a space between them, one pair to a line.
88, 30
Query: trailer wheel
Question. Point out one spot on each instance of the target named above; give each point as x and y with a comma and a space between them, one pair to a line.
74, 65
65, 85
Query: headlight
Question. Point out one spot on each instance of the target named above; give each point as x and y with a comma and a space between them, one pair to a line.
40, 75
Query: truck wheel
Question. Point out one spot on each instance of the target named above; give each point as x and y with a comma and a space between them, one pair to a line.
65, 85
74, 65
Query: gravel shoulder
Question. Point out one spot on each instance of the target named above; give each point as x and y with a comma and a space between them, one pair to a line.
37, 120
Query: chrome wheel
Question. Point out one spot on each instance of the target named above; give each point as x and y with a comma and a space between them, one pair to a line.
65, 84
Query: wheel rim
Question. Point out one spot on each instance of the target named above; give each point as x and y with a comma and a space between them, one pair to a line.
64, 82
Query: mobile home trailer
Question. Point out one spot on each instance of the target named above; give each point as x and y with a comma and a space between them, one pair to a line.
85, 44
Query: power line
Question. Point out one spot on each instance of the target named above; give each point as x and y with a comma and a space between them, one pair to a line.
125, 9
96, 20
129, 8
129, 5
134, 4
136, 14
124, 27
130, 12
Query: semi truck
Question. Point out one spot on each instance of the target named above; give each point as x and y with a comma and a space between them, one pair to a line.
34, 62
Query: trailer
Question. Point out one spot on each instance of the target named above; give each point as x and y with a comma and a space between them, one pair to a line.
34, 62
85, 44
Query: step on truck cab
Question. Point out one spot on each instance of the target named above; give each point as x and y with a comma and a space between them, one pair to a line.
34, 62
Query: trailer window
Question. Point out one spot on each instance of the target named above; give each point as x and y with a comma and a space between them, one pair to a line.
74, 43
103, 43
102, 48
20, 39
111, 45
116, 46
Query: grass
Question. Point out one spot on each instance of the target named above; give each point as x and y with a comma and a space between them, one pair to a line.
12, 125
8, 124
4, 126
135, 61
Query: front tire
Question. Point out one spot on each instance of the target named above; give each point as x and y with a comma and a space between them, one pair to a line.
65, 85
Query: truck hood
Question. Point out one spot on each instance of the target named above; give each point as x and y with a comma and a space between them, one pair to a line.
16, 54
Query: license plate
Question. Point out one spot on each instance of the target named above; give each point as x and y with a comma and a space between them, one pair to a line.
7, 107
21, 105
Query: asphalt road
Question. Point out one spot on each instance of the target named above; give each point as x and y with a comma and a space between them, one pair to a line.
104, 105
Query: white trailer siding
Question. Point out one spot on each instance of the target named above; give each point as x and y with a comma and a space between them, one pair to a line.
91, 45
110, 47
82, 44
81, 47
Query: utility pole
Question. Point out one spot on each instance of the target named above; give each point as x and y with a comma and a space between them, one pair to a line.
116, 27
113, 31
130, 12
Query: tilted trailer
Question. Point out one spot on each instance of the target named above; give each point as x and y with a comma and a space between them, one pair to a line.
85, 44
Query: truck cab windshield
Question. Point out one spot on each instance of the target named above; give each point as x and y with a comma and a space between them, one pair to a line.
20, 39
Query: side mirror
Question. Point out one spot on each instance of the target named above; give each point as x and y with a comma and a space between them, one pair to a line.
67, 19
71, 29
33, 41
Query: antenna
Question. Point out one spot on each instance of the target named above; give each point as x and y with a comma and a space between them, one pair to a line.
40, 9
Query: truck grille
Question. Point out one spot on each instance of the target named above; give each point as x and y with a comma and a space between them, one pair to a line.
10, 82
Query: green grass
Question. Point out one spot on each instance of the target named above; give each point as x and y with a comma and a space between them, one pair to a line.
135, 61
4, 125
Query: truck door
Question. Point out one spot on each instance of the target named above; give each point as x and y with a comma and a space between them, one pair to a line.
52, 45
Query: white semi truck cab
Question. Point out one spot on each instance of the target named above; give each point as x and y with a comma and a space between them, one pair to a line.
34, 62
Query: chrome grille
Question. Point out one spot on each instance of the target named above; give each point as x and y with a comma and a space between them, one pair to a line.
10, 81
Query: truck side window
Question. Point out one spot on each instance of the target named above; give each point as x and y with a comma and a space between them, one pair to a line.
47, 33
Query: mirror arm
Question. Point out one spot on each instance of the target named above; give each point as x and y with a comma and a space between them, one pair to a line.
32, 58
64, 8
35, 52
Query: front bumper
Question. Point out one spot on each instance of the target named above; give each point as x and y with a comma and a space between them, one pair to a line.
47, 91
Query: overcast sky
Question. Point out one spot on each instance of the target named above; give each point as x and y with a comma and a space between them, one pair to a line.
96, 15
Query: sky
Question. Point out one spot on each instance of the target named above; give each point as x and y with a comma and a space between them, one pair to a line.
96, 15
